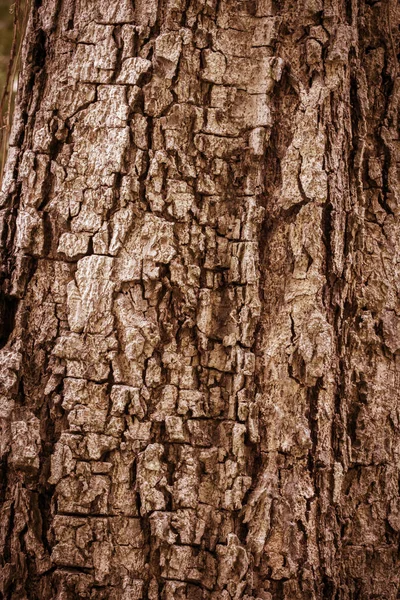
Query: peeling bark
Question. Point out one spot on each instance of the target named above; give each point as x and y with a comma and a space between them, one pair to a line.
200, 314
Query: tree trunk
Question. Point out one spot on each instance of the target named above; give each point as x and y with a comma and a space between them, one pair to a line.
201, 325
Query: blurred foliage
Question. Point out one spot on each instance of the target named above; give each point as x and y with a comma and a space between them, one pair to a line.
13, 22
6, 37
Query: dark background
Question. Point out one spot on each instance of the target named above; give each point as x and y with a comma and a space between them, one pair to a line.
6, 34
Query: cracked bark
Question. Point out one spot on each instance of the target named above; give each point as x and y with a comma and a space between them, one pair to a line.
200, 317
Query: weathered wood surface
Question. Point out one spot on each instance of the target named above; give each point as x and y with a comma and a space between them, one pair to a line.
201, 322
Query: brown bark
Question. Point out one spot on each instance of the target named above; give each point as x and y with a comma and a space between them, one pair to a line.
200, 330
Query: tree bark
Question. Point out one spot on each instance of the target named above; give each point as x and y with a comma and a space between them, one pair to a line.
200, 315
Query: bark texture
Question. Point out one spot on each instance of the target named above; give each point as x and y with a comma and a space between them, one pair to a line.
201, 324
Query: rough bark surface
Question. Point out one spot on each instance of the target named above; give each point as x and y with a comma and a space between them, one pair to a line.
200, 315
